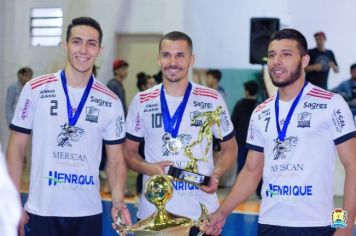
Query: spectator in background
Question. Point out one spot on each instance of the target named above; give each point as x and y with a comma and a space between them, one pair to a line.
321, 60
240, 119
144, 82
120, 69
213, 78
347, 89
13, 91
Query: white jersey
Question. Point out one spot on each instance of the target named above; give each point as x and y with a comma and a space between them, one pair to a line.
65, 164
144, 123
298, 175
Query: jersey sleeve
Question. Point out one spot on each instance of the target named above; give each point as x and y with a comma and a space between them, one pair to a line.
226, 126
22, 120
114, 130
134, 121
342, 125
254, 140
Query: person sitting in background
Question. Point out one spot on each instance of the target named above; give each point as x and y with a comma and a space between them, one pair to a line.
13, 91
347, 89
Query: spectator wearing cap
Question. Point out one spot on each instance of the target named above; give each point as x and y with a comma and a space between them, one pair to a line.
321, 60
120, 70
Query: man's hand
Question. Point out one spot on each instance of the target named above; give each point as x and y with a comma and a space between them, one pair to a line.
124, 213
23, 221
343, 232
213, 185
158, 168
214, 225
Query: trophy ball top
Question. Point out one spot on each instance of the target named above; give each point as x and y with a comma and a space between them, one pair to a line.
158, 189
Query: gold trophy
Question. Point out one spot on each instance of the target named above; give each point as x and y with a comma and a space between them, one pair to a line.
190, 172
158, 190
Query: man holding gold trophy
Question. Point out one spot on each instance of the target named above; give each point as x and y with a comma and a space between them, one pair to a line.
177, 119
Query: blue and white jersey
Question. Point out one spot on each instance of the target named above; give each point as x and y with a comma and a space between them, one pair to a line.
144, 123
298, 175
65, 160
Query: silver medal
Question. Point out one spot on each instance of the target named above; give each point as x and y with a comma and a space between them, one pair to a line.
174, 145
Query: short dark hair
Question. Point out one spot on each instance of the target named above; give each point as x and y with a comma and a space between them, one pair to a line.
251, 87
294, 35
177, 35
142, 80
215, 73
353, 66
84, 20
25, 71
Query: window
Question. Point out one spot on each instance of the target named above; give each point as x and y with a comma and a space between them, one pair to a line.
46, 26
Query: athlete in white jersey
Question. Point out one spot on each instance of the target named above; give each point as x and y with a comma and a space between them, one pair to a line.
294, 138
145, 121
69, 113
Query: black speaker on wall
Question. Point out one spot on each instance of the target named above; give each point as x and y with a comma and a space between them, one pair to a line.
260, 32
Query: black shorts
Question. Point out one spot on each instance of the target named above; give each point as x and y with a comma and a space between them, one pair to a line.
274, 230
64, 226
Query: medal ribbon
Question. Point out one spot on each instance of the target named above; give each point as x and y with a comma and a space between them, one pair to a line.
171, 124
282, 133
72, 119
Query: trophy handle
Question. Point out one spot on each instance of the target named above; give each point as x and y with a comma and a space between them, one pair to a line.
202, 218
120, 227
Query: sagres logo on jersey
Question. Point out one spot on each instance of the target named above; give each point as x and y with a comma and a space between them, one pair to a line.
183, 138
281, 149
68, 135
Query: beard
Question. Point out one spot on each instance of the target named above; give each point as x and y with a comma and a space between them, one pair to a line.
294, 76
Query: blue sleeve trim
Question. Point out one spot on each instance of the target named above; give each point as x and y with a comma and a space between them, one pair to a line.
254, 147
229, 136
20, 129
113, 142
134, 138
345, 137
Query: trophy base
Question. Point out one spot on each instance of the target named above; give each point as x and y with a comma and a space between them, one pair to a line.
188, 176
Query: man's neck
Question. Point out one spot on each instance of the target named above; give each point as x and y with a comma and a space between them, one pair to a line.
176, 89
77, 79
291, 91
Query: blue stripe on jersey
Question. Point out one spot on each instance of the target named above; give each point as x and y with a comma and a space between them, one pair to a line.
134, 138
254, 147
345, 138
20, 129
112, 142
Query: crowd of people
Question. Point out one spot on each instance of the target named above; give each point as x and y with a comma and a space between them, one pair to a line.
81, 127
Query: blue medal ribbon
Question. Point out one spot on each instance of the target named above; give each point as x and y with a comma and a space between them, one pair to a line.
171, 124
72, 119
282, 133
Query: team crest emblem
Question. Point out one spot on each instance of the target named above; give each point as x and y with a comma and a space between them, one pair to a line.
339, 218
194, 121
92, 114
304, 119
68, 135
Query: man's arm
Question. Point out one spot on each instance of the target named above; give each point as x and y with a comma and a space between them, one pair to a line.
225, 161
245, 185
314, 67
138, 164
16, 154
117, 174
347, 152
15, 161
